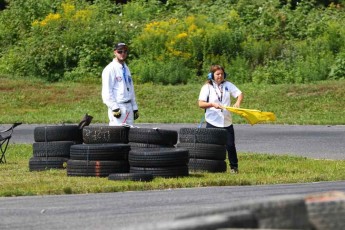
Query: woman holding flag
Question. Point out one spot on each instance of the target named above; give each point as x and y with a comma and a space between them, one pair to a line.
214, 96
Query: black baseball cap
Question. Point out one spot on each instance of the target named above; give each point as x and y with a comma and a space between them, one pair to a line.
120, 45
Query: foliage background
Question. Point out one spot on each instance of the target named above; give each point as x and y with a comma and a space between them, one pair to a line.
174, 42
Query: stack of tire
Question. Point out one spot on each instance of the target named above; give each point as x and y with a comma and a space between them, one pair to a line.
51, 149
152, 138
207, 148
104, 151
153, 152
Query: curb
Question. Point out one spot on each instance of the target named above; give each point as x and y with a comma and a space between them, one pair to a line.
327, 210
323, 211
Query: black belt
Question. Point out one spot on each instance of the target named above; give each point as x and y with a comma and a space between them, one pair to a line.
125, 102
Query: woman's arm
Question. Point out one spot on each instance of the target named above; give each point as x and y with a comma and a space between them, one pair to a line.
239, 101
206, 105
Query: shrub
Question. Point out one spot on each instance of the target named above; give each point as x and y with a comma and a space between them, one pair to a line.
195, 41
239, 70
172, 71
274, 72
69, 44
16, 19
141, 10
262, 41
338, 68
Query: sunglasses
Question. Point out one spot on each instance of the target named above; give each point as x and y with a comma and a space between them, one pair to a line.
122, 51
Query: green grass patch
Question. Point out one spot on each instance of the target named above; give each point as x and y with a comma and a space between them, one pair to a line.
37, 102
255, 169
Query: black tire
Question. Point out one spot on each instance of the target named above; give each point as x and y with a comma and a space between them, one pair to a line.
203, 135
167, 172
131, 176
155, 157
58, 133
99, 152
52, 149
204, 151
105, 134
147, 145
205, 165
96, 168
46, 163
153, 136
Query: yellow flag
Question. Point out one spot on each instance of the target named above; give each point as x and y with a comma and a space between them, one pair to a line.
253, 116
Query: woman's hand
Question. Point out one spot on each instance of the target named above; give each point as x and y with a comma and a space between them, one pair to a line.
236, 105
217, 106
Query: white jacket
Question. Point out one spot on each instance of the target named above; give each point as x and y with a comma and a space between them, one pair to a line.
117, 88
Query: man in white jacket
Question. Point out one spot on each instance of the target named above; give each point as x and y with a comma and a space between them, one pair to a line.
118, 90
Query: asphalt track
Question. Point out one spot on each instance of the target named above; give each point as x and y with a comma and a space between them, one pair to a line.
314, 141
130, 210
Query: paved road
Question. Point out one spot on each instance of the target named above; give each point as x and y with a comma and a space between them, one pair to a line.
132, 209
125, 210
313, 141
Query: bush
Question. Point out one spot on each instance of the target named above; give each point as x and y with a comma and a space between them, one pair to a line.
338, 68
68, 44
261, 41
17, 18
274, 72
239, 70
172, 71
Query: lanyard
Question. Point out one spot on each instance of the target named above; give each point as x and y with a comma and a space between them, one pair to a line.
124, 76
220, 87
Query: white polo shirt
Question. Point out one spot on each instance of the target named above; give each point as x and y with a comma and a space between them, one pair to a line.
220, 95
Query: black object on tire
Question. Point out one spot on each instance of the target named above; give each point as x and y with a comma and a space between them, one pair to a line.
45, 163
153, 136
206, 165
58, 133
158, 157
204, 151
105, 134
203, 135
52, 149
131, 176
96, 168
101, 152
172, 171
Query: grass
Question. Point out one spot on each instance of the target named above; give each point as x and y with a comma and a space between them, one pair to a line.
256, 169
36, 102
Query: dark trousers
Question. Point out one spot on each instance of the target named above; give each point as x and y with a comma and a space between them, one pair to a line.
230, 144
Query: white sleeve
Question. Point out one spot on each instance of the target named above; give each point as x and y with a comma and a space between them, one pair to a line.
204, 93
108, 82
234, 91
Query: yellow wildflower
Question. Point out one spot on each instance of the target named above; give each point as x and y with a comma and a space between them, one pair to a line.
83, 15
181, 35
67, 8
50, 17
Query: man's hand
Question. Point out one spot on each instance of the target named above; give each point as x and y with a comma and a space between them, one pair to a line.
117, 113
136, 114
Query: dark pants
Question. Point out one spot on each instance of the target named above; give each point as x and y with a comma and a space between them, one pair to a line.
230, 144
